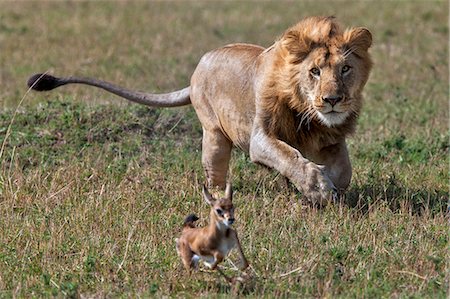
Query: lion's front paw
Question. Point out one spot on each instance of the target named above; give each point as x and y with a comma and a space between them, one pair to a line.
318, 188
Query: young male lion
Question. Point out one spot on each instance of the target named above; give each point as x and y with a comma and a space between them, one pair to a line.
289, 106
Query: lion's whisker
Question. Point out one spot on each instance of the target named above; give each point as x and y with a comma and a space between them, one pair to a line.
305, 118
311, 113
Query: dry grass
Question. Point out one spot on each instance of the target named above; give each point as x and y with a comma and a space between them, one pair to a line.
92, 195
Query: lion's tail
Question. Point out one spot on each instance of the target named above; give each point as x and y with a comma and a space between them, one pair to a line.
42, 82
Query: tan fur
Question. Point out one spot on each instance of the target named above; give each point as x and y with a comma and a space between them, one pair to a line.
213, 242
272, 104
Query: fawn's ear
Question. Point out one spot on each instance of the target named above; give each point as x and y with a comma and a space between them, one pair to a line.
229, 192
207, 196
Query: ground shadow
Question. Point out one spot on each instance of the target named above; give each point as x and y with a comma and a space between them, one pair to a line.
396, 196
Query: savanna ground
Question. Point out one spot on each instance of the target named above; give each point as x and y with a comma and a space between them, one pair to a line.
93, 189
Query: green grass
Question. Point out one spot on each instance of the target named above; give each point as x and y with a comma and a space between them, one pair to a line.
93, 190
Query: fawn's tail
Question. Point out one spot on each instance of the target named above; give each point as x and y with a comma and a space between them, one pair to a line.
189, 221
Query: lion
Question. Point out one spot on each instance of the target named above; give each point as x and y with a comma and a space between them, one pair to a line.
290, 106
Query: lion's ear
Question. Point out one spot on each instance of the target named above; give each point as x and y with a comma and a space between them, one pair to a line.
359, 39
295, 43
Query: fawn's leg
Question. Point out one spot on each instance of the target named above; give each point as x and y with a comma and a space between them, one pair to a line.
244, 263
186, 255
218, 258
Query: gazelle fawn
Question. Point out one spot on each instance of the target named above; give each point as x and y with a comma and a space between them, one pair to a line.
213, 242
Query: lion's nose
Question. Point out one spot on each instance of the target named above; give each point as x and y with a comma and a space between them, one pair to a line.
332, 99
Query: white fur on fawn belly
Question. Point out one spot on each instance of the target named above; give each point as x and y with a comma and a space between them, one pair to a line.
195, 259
208, 260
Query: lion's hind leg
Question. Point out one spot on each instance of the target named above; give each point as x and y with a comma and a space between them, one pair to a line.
216, 154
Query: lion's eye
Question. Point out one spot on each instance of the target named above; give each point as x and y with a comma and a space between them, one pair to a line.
315, 71
345, 69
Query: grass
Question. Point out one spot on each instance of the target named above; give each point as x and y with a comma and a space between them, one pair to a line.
93, 190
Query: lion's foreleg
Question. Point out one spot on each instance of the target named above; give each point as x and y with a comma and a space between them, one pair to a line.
216, 153
307, 176
337, 165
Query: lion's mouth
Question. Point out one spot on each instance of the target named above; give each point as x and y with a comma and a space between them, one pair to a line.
330, 110
332, 117
332, 113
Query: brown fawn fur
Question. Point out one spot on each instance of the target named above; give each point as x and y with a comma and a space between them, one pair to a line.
213, 242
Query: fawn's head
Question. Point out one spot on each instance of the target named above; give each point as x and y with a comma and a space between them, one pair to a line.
222, 208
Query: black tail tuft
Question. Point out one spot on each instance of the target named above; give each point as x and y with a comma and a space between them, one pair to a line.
189, 221
42, 82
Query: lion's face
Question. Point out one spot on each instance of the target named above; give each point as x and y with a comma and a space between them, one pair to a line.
328, 68
332, 83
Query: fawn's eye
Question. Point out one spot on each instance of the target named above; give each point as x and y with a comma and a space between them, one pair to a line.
219, 212
315, 71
